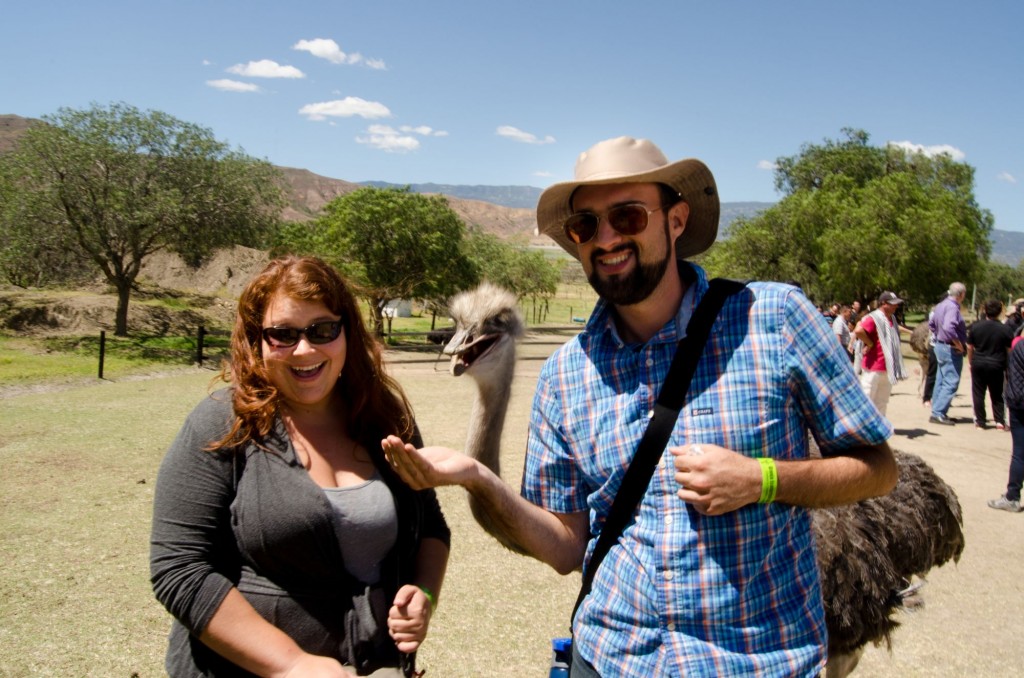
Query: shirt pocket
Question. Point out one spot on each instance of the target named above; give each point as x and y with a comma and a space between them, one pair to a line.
739, 415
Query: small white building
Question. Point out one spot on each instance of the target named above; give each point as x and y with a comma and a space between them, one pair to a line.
397, 308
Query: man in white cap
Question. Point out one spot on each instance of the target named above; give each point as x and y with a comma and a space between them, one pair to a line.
882, 365
710, 578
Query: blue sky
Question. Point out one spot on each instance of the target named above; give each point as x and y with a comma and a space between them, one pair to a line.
478, 92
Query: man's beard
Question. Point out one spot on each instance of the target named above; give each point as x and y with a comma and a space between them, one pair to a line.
635, 286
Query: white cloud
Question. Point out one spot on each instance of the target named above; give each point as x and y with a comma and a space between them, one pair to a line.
325, 48
388, 139
207, 62
345, 108
423, 130
226, 85
265, 68
543, 174
930, 151
524, 137
1007, 177
766, 165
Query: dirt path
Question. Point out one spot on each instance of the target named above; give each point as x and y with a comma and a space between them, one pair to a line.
968, 626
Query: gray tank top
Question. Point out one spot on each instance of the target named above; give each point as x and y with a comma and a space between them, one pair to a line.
367, 525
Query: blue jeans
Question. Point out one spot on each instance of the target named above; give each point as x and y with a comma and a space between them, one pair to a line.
947, 379
1017, 460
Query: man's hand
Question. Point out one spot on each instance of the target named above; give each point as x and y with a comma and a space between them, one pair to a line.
715, 480
429, 466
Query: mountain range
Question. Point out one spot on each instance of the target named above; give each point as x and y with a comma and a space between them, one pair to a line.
506, 211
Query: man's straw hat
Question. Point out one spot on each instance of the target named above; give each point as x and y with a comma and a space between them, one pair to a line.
628, 160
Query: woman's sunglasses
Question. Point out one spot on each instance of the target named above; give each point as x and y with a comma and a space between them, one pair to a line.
625, 219
323, 332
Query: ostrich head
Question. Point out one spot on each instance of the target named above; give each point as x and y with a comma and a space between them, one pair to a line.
487, 325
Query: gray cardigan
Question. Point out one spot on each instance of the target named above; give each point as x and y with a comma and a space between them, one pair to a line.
255, 520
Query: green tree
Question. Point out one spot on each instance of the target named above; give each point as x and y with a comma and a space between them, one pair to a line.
397, 244
523, 271
857, 219
998, 281
118, 184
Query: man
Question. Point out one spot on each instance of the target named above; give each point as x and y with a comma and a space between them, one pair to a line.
1014, 319
988, 344
882, 365
706, 580
841, 328
950, 344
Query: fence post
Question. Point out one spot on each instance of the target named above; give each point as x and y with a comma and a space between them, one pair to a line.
199, 345
103, 350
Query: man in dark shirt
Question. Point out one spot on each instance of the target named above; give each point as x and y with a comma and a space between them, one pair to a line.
988, 342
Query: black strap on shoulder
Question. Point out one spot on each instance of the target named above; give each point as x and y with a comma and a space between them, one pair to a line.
666, 412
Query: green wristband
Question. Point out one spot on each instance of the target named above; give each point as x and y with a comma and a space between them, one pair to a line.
430, 597
769, 480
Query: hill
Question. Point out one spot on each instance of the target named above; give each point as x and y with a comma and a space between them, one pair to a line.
505, 211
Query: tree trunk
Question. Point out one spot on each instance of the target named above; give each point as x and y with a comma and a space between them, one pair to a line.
376, 307
124, 291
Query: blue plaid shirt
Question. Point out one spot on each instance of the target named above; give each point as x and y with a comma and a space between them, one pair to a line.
682, 593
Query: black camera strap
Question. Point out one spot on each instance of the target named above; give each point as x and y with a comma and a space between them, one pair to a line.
666, 412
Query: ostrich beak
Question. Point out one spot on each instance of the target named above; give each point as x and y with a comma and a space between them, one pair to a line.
466, 350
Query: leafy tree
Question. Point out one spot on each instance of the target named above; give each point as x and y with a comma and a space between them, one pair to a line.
998, 281
397, 244
118, 184
857, 219
31, 256
517, 268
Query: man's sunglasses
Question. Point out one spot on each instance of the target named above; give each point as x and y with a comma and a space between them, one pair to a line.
323, 332
625, 219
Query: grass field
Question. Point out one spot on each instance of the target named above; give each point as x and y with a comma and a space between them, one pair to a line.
80, 462
80, 457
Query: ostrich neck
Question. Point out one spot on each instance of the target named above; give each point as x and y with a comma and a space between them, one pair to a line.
483, 440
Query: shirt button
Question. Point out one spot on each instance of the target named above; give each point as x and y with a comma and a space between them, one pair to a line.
650, 362
670, 626
668, 520
668, 575
650, 414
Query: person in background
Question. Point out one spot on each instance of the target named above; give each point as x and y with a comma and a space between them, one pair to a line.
1014, 320
950, 331
282, 542
988, 343
716, 576
933, 368
1010, 500
883, 364
841, 328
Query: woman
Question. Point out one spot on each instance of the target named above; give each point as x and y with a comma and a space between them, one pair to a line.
1010, 500
988, 344
282, 542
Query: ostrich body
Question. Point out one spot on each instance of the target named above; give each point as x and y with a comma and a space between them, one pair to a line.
868, 553
919, 344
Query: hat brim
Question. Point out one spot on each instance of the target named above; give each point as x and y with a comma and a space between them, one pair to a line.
691, 178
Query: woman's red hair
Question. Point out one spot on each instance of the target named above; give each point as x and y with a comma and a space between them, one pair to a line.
375, 402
